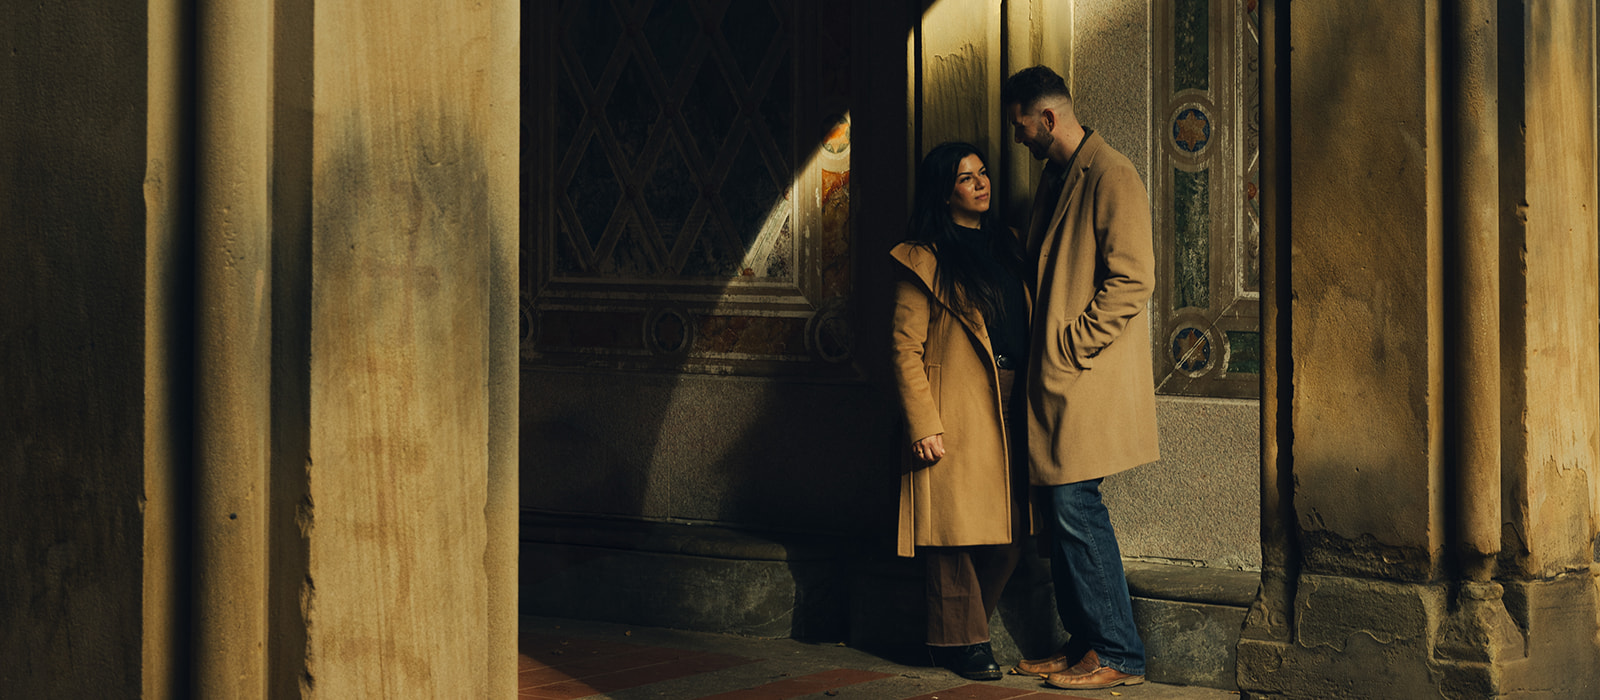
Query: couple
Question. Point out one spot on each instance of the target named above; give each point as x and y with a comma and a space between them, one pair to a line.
1058, 317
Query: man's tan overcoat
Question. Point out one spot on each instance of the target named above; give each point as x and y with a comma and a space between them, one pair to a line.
948, 383
1091, 391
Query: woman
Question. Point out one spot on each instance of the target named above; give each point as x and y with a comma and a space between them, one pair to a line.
960, 335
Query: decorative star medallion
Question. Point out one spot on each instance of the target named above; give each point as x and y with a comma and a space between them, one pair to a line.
1191, 130
1191, 350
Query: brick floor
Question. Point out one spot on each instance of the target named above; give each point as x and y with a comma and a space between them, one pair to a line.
569, 660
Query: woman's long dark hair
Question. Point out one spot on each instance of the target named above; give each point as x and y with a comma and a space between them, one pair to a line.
972, 264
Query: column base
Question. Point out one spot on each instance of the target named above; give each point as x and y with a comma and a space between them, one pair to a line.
1365, 638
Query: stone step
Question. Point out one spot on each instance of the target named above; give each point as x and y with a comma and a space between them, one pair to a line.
713, 579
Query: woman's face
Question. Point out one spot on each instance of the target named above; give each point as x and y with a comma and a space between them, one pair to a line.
970, 198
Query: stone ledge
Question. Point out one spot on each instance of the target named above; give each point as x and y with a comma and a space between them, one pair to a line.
678, 538
1192, 584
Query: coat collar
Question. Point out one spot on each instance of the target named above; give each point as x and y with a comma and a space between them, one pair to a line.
922, 263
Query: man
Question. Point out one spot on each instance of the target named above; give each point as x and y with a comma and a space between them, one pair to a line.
1091, 394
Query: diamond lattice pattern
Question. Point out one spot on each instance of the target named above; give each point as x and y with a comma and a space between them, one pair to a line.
673, 117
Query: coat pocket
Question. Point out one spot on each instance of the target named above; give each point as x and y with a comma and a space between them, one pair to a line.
1063, 354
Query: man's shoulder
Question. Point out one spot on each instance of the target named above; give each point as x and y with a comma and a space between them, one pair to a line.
1100, 157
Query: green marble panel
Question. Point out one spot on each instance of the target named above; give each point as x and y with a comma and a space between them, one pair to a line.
1244, 352
1192, 51
1191, 210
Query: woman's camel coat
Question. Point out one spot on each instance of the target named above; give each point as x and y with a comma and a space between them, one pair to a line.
945, 372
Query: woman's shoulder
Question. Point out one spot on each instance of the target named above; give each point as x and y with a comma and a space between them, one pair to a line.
914, 254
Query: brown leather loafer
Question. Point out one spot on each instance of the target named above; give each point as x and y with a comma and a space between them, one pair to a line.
1057, 663
1103, 677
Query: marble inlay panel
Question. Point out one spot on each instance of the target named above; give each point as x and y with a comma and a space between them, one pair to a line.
1244, 352
1192, 221
1206, 192
1192, 68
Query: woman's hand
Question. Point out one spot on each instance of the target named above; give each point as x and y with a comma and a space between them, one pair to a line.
929, 449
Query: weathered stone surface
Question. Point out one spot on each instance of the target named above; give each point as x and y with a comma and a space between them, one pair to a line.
1110, 75
1192, 584
1365, 321
685, 577
1200, 504
1379, 609
396, 587
1562, 657
960, 61
743, 452
1188, 643
1549, 245
73, 352
1363, 638
1354, 639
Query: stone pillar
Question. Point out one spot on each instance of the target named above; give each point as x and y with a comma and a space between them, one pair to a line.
74, 351
233, 329
504, 172
1383, 582
1551, 385
957, 95
259, 362
404, 236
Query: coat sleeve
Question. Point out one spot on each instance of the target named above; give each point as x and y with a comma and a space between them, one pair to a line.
1127, 252
911, 314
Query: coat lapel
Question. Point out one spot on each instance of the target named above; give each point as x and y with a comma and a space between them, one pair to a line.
1071, 180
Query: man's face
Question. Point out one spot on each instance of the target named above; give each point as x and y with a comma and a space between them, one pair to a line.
1029, 130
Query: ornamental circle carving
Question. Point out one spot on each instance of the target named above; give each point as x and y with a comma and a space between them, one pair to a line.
667, 331
1192, 350
828, 332
529, 331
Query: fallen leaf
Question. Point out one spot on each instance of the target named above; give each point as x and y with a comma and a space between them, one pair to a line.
1116, 693
627, 633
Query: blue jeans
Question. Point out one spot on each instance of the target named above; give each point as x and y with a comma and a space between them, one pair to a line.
1091, 589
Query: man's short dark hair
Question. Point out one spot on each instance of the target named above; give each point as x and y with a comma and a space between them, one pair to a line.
1029, 85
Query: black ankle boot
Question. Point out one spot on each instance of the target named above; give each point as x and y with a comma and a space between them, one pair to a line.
972, 662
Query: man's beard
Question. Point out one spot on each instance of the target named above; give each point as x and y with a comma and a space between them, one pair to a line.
1040, 147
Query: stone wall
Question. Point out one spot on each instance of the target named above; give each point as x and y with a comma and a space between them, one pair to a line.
73, 348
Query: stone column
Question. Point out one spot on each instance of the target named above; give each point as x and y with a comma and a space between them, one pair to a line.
1550, 389
260, 268
233, 332
75, 356
504, 167
1386, 584
957, 94
406, 245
